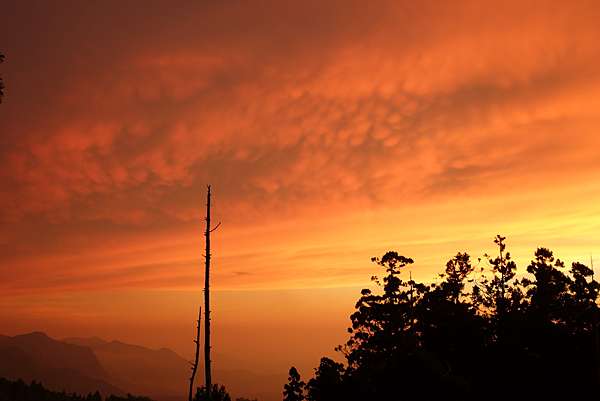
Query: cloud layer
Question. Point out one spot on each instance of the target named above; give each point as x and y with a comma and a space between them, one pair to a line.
117, 115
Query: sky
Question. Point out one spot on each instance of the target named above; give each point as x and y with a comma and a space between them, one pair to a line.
330, 131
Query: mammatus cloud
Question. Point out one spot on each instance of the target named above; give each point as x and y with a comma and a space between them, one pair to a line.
292, 112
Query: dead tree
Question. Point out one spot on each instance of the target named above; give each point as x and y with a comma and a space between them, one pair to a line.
596, 325
207, 369
1, 83
195, 364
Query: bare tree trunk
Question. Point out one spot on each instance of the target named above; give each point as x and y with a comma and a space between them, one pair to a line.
596, 326
195, 365
597, 347
207, 372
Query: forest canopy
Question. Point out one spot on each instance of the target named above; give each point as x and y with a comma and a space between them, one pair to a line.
482, 331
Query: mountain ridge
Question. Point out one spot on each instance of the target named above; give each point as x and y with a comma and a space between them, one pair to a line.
61, 366
161, 373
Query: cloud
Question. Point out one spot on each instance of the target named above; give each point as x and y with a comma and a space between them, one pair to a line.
115, 123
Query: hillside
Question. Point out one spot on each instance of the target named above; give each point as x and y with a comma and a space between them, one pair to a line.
60, 366
84, 365
140, 370
163, 374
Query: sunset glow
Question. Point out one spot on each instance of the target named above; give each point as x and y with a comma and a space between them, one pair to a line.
330, 133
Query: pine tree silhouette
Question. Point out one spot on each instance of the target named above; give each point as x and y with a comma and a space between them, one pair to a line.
482, 330
294, 389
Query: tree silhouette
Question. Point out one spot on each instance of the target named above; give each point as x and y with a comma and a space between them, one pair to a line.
217, 393
549, 289
294, 389
385, 337
1, 82
381, 323
20, 391
457, 271
207, 256
481, 331
326, 384
196, 356
503, 270
582, 309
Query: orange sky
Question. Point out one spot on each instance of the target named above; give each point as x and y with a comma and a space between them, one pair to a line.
330, 133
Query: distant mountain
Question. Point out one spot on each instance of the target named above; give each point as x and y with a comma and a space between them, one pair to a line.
84, 365
157, 373
163, 375
60, 366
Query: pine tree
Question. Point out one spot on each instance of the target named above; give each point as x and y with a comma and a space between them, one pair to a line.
326, 384
294, 389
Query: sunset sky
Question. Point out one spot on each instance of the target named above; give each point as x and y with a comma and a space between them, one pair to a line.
331, 132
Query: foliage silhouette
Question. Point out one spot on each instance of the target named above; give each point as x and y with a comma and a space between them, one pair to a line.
482, 331
294, 389
217, 393
20, 391
327, 381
